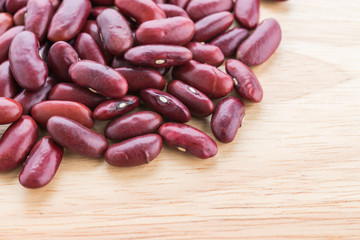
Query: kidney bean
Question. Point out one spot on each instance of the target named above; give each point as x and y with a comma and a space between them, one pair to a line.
96, 11
247, 13
102, 79
76, 137
186, 138
5, 41
212, 25
120, 62
246, 83
42, 164
19, 17
206, 53
29, 70
115, 31
229, 41
116, 107
206, 78
173, 10
10, 110
103, 2
261, 44
160, 1
12, 6
166, 104
134, 151
6, 22
17, 142
2, 5
227, 119
87, 48
38, 17
8, 85
140, 10
198, 9
158, 55
28, 99
180, 3
68, 20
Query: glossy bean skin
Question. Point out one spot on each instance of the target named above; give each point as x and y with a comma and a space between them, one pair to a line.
101, 78
140, 10
198, 9
166, 104
103, 2
186, 138
16, 143
29, 70
180, 3
113, 108
171, 31
68, 20
12, 6
120, 62
212, 25
6, 22
96, 11
8, 85
38, 17
261, 44
246, 83
206, 53
133, 125
42, 164
2, 5
115, 31
208, 79
229, 41
134, 151
10, 110
158, 55
5, 41
173, 11
197, 102
160, 1
75, 93
76, 137
247, 13
19, 16
87, 48
227, 119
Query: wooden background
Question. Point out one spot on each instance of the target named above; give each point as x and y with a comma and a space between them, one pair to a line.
292, 173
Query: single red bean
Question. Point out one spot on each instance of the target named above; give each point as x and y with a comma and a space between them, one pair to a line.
115, 31
140, 10
206, 53
8, 85
186, 138
29, 70
133, 125
158, 55
10, 110
5, 41
246, 83
113, 108
68, 20
76, 137
87, 48
197, 102
6, 22
206, 78
42, 164
19, 16
96, 11
16, 143
198, 9
173, 10
247, 13
120, 62
98, 77
212, 25
227, 119
229, 41
180, 3
12, 6
103, 2
134, 151
166, 104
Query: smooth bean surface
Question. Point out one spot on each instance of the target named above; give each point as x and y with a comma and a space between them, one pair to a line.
6, 22
173, 10
198, 9
10, 110
247, 13
206, 53
19, 16
113, 108
87, 48
8, 85
229, 41
13, 5
5, 41
180, 3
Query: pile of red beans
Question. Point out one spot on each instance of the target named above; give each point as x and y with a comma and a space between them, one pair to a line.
65, 64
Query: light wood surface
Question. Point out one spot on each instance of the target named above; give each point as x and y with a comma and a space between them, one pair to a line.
293, 171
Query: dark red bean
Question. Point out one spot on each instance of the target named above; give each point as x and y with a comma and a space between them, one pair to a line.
87, 48
160, 1
12, 6
115, 107
135, 151
42, 164
247, 13
96, 11
229, 41
5, 41
2, 5
208, 79
186, 138
261, 44
198, 9
227, 119
68, 20
246, 83
158, 55
103, 2
180, 3
166, 104
6, 22
16, 143
10, 110
98, 77
8, 85
19, 16
173, 11
206, 53
29, 70
120, 62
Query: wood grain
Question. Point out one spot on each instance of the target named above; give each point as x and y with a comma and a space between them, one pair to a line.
292, 173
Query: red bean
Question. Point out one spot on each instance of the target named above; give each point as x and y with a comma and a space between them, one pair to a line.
133, 125
206, 53
119, 62
180, 3
198, 9
2, 5
75, 137
135, 151
10, 110
116, 107
173, 11
8, 85
98, 77
197, 102
55, 4
14, 5
6, 22
227, 119
96, 11
160, 1
41, 165
207, 79
247, 13
5, 41
103, 2
229, 41
19, 16
87, 48
246, 83
261, 44
29, 70
68, 20
17, 142
186, 138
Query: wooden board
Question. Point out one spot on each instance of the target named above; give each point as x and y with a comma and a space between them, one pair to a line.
292, 173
